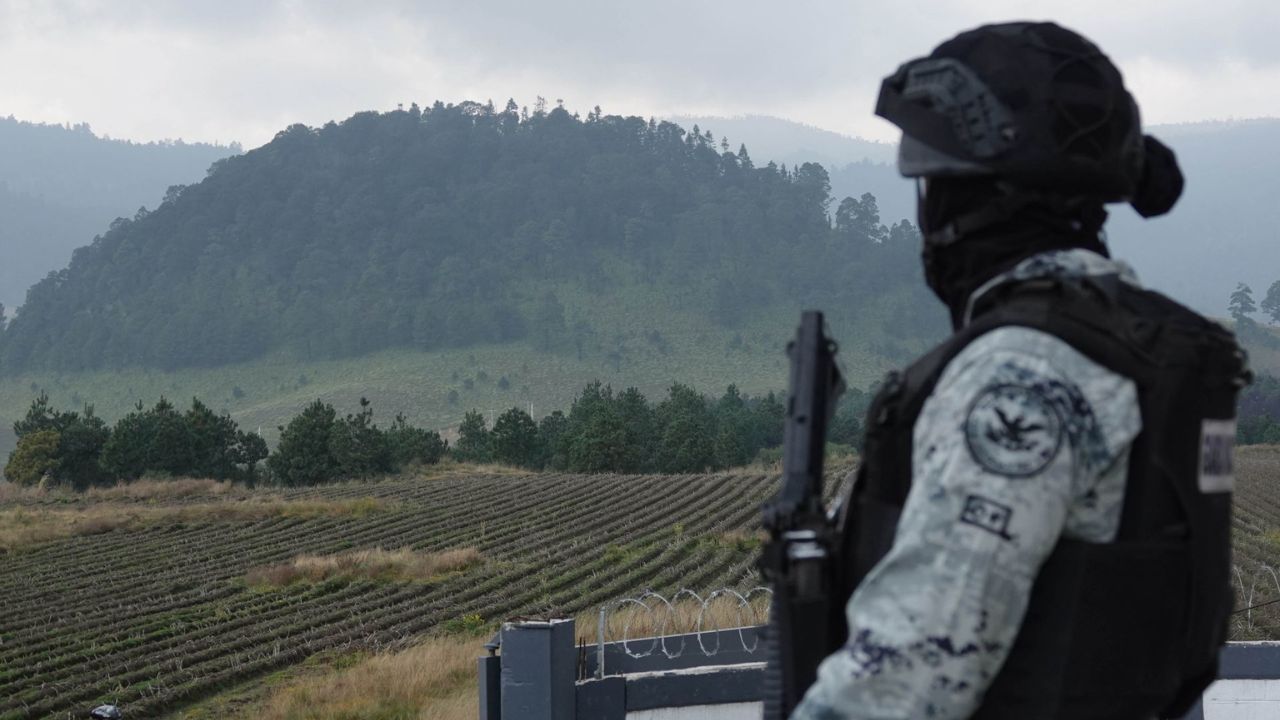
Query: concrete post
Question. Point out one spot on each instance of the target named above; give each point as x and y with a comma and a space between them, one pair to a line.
538, 670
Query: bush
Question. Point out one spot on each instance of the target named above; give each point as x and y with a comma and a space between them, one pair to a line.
35, 456
409, 444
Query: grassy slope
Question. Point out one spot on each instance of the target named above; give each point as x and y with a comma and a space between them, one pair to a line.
418, 383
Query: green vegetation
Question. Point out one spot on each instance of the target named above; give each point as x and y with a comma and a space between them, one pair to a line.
422, 229
78, 450
1259, 412
603, 432
623, 433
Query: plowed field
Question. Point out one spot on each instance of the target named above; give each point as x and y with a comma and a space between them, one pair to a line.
156, 615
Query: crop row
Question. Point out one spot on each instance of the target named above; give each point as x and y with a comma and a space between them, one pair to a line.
151, 638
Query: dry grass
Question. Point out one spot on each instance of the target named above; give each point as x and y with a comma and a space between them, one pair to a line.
375, 564
175, 489
435, 680
448, 467
11, 493
21, 527
743, 539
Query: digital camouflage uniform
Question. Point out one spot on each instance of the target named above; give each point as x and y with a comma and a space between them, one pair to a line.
1023, 440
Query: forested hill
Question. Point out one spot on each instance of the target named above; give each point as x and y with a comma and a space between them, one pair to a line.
60, 185
458, 225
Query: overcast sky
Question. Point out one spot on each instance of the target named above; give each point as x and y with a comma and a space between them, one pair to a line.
243, 69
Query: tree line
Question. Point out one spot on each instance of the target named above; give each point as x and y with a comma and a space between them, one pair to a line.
604, 431
607, 431
79, 450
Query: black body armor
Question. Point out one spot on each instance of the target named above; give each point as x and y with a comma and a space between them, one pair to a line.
1125, 630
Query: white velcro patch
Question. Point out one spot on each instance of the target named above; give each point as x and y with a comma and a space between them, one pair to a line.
1217, 445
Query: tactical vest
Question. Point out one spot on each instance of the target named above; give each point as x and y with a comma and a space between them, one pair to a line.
1129, 629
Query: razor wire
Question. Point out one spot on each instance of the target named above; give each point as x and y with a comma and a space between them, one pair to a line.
663, 616
1265, 578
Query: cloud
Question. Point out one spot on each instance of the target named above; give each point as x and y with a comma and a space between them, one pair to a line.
243, 69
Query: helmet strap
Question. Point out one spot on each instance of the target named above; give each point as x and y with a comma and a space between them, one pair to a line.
990, 213
1088, 217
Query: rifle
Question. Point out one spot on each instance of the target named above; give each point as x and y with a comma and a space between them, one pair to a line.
799, 558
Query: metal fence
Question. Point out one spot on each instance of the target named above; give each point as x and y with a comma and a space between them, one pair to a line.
682, 623
1257, 598
702, 655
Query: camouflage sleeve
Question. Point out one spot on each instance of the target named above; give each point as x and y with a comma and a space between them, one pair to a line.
1022, 440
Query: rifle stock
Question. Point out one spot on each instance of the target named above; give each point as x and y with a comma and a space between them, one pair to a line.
798, 559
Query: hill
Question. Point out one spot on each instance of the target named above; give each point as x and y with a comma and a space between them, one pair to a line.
156, 595
61, 185
1223, 230
856, 166
451, 227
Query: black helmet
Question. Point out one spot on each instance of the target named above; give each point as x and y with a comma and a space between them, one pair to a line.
1033, 105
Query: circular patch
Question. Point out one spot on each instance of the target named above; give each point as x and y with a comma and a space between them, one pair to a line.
1012, 430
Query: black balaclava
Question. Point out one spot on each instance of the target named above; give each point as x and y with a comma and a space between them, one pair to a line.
958, 267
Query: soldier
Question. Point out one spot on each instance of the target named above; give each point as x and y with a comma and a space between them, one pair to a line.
1041, 525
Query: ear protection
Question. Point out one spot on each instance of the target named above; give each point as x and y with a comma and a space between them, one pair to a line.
1161, 183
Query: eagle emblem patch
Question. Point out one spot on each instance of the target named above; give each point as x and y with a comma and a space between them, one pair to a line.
1013, 430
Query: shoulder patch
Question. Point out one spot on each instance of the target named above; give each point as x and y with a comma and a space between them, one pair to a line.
1013, 430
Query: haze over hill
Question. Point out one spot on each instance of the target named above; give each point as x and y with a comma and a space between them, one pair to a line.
60, 186
1223, 231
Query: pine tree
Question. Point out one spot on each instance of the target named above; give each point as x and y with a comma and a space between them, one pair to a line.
1241, 304
409, 444
250, 449
358, 448
473, 439
684, 432
1271, 303
515, 439
553, 438
303, 456
213, 442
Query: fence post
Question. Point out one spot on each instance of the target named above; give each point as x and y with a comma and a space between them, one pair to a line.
538, 670
490, 685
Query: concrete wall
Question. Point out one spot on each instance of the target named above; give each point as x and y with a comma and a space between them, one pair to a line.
731, 711
1242, 700
542, 675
